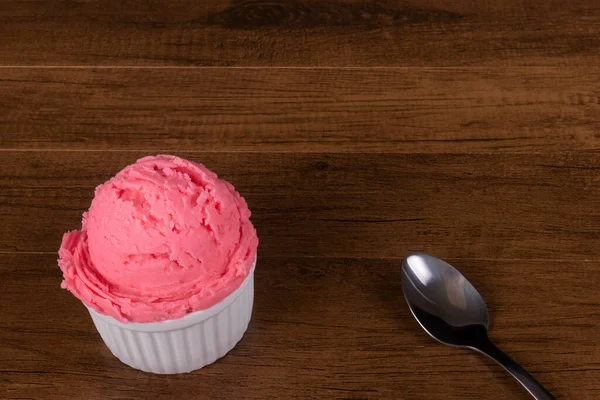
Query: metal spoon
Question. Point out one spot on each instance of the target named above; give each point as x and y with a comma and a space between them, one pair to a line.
453, 312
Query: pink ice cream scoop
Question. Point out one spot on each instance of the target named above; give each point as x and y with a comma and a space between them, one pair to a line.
163, 238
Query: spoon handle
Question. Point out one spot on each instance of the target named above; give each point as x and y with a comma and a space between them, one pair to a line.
529, 383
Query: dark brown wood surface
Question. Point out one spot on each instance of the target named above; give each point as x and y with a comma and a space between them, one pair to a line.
357, 131
498, 206
311, 110
300, 32
305, 343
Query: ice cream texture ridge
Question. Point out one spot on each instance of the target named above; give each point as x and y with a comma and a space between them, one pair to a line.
162, 238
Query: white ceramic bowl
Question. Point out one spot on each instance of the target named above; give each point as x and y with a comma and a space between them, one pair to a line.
184, 344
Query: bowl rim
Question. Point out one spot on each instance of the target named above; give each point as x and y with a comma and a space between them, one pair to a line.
190, 319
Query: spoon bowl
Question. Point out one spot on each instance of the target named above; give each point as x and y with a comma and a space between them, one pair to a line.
451, 310
444, 303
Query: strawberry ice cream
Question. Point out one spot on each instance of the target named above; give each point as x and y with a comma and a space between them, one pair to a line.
163, 238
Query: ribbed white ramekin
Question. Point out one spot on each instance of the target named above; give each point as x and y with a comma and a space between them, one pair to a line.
184, 344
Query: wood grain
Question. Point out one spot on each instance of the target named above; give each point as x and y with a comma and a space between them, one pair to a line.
303, 342
300, 33
315, 110
500, 206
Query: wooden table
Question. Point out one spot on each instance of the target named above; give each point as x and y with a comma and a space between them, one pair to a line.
357, 131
